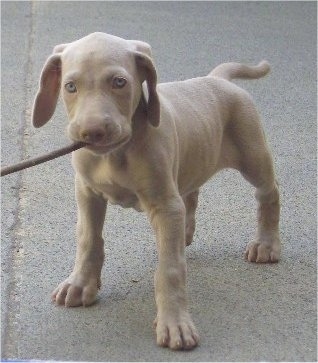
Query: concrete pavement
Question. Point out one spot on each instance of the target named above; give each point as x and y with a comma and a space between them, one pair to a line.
244, 312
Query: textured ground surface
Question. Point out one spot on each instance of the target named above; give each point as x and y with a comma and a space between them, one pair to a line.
244, 312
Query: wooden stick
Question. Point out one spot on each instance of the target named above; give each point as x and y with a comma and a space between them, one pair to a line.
41, 159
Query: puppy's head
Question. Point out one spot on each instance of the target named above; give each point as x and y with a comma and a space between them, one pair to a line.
100, 78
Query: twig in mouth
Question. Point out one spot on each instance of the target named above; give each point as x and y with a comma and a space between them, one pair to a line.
41, 159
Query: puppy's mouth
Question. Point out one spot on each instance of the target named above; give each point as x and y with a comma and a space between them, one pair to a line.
106, 148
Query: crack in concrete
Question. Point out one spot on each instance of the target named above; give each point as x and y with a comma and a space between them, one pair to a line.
11, 326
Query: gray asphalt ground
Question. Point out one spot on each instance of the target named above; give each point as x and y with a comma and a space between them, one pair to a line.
243, 311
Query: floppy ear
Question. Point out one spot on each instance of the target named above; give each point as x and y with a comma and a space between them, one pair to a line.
60, 47
49, 88
148, 73
141, 47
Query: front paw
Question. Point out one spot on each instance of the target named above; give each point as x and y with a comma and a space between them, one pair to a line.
176, 333
76, 291
263, 252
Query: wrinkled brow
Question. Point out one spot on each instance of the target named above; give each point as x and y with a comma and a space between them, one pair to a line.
72, 76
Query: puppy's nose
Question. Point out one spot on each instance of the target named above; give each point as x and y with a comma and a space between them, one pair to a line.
93, 135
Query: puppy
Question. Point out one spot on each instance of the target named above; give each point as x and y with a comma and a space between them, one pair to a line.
151, 147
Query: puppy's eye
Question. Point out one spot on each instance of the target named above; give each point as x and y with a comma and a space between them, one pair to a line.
119, 82
70, 87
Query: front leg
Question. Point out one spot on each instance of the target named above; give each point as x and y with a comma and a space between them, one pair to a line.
80, 288
174, 326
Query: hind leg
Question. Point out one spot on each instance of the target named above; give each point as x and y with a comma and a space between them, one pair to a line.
252, 157
267, 246
259, 172
191, 203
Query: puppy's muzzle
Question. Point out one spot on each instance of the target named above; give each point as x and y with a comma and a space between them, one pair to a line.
100, 136
94, 135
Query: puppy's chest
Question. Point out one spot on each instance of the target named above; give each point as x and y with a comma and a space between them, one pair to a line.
114, 187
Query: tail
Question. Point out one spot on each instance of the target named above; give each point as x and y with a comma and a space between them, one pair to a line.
238, 70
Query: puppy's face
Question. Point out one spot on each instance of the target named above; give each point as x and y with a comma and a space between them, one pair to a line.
101, 91
100, 77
